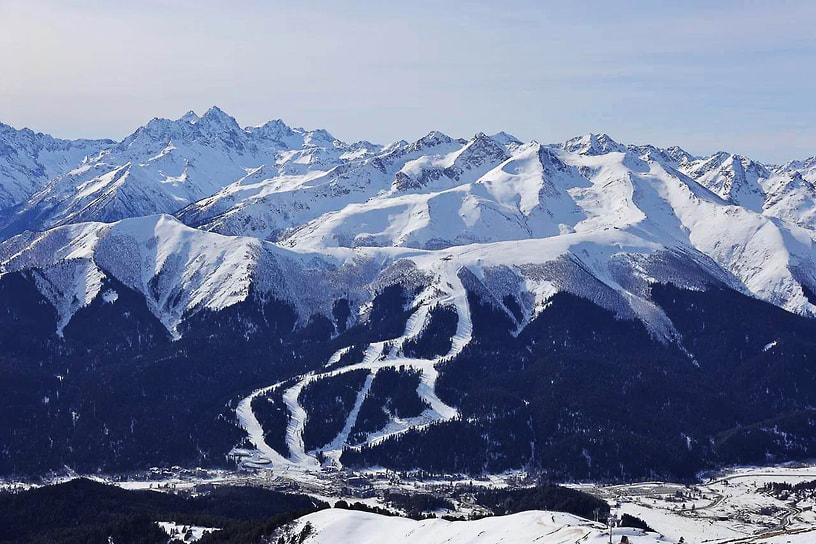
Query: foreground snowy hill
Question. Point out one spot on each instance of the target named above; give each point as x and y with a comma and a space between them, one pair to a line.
337, 526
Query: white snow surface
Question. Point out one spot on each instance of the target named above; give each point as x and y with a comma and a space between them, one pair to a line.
28, 160
338, 526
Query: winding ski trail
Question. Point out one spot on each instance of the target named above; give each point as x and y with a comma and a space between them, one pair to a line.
374, 359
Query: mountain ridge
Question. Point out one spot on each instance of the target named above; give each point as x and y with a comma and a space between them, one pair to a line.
307, 191
499, 289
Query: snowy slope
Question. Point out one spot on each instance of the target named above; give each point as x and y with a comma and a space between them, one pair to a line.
786, 192
771, 258
523, 196
176, 268
791, 195
538, 193
806, 168
538, 217
28, 160
269, 203
338, 526
734, 178
179, 270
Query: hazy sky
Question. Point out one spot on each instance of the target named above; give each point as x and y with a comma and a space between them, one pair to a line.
739, 76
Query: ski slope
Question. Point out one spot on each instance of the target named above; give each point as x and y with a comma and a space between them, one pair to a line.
373, 361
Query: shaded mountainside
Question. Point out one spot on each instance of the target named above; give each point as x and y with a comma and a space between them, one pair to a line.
580, 394
577, 393
116, 392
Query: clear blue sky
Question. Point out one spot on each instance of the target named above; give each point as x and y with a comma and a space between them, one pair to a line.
739, 76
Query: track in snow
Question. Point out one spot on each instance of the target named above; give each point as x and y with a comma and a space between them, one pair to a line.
264, 456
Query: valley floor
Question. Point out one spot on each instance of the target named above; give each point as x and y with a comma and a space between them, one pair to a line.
739, 505
732, 507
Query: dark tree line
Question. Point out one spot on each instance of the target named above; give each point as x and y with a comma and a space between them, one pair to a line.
117, 393
84, 511
273, 415
542, 497
353, 356
393, 393
435, 339
328, 403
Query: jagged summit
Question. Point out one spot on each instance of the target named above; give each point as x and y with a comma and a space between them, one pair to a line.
479, 150
505, 139
433, 138
806, 164
593, 144
680, 155
215, 119
190, 117
275, 129
735, 178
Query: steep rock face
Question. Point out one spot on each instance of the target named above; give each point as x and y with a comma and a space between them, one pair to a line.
593, 144
733, 178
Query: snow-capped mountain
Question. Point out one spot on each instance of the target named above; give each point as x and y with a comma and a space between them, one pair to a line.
743, 223
732, 177
217, 265
28, 160
168, 164
787, 192
177, 269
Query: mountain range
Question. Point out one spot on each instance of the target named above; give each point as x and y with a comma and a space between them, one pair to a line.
271, 259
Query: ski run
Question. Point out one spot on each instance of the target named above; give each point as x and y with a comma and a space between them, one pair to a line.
374, 360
